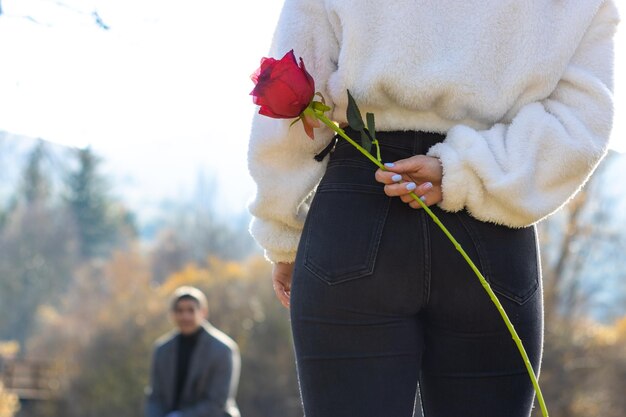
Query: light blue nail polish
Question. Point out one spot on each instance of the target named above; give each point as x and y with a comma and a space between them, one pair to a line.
423, 198
389, 164
411, 186
396, 178
428, 185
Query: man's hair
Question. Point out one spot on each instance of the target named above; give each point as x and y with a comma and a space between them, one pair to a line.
188, 293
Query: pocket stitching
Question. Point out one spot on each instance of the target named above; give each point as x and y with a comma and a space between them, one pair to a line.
486, 270
369, 265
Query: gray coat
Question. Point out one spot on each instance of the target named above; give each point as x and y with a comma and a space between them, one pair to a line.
212, 380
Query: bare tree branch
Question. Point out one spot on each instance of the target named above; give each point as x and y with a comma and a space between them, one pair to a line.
99, 20
93, 15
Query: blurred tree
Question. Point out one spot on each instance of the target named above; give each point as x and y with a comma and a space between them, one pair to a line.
199, 229
186, 234
35, 185
582, 249
37, 254
9, 208
102, 224
5, 151
170, 253
103, 330
37, 250
3, 217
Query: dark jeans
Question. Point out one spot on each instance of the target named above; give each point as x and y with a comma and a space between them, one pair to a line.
383, 307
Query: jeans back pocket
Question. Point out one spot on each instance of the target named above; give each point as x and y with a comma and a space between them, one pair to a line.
343, 231
509, 257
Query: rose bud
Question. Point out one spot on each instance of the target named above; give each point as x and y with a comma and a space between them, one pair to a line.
283, 89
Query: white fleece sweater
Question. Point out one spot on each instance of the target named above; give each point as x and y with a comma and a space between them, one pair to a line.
522, 89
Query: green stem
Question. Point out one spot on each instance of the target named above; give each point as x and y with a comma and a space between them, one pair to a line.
496, 301
340, 132
375, 142
483, 281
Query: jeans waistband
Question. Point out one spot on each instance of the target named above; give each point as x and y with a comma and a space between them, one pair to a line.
414, 141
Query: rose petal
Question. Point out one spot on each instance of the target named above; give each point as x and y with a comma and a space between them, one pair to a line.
308, 128
266, 64
266, 111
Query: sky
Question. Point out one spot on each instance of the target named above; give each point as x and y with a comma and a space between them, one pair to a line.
163, 93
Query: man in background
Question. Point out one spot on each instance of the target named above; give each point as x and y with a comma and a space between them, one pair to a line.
195, 368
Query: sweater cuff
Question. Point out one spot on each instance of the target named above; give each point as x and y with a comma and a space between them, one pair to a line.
278, 256
280, 242
455, 177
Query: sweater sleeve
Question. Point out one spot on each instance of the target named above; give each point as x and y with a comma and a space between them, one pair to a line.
281, 158
520, 172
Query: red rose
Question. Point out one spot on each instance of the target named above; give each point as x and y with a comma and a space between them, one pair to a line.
283, 89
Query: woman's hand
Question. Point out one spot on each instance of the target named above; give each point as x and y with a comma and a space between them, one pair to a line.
420, 174
281, 281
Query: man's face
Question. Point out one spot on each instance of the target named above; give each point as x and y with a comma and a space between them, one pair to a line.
188, 315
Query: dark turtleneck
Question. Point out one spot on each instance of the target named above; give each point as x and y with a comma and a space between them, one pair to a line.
186, 345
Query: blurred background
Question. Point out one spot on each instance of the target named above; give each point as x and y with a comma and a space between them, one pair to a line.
123, 135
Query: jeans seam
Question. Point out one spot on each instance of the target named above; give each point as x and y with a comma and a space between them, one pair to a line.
420, 393
427, 259
484, 264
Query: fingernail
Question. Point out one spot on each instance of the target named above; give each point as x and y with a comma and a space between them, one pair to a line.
389, 164
411, 186
428, 185
423, 198
396, 178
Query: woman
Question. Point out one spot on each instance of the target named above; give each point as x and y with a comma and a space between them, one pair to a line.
495, 113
